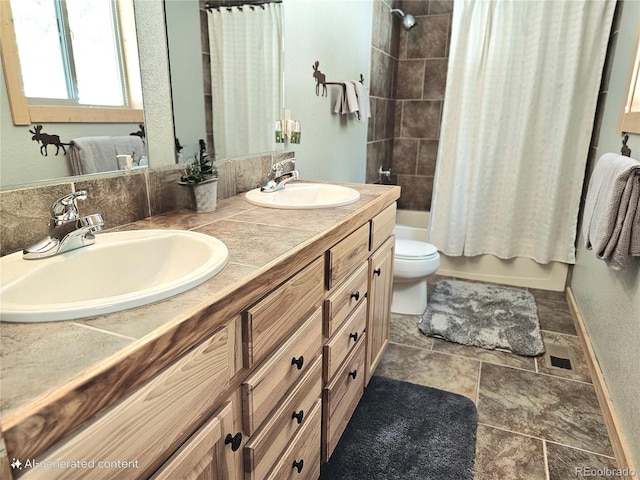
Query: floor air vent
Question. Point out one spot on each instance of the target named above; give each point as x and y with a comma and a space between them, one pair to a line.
558, 356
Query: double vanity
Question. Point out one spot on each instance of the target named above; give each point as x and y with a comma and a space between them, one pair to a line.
252, 374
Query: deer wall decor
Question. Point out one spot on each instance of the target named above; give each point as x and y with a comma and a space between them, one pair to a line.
140, 133
320, 79
45, 140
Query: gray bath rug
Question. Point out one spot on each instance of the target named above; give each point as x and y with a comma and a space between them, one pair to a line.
486, 316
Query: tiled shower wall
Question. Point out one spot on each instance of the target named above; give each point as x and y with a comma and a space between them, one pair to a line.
121, 199
416, 67
384, 65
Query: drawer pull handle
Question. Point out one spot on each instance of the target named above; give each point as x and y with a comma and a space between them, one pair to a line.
356, 296
234, 440
377, 271
298, 465
298, 416
353, 374
354, 336
298, 362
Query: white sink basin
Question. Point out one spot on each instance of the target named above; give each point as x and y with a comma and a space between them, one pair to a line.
121, 270
300, 196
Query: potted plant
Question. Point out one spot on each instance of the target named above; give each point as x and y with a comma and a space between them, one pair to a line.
202, 176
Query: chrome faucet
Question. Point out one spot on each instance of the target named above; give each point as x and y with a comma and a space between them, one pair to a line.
67, 229
281, 173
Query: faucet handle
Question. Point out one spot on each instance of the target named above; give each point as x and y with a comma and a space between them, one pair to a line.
279, 167
65, 209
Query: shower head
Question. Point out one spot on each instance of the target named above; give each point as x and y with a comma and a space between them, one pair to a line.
408, 21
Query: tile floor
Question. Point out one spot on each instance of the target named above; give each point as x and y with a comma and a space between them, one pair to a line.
535, 421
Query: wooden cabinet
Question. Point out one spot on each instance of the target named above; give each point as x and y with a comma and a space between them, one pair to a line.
301, 461
347, 255
150, 424
210, 454
344, 299
263, 390
345, 339
274, 318
340, 398
276, 433
380, 288
269, 393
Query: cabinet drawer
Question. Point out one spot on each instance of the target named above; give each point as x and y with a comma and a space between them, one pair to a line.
265, 447
346, 255
265, 387
382, 226
344, 300
301, 461
344, 341
341, 397
143, 426
197, 459
270, 321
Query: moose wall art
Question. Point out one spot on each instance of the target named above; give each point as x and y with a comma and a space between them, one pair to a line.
44, 139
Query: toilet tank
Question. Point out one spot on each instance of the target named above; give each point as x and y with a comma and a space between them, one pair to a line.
405, 232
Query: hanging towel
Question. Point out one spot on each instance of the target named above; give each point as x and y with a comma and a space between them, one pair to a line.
347, 101
341, 100
611, 223
99, 154
92, 155
129, 145
364, 108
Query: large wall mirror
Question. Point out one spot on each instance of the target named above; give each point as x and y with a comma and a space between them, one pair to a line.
71, 71
248, 120
226, 62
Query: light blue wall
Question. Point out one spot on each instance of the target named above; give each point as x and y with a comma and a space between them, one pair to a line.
338, 35
610, 300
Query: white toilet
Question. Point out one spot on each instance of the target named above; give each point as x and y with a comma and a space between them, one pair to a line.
414, 260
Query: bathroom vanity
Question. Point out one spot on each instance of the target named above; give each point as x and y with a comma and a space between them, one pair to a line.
252, 375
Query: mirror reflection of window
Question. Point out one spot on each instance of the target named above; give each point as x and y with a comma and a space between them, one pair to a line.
71, 61
630, 114
70, 50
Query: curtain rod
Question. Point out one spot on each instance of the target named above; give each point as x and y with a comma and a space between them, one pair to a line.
211, 5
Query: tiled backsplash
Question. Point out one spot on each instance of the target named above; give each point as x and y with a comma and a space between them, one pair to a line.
121, 199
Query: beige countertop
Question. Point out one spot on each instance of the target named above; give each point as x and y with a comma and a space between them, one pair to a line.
47, 366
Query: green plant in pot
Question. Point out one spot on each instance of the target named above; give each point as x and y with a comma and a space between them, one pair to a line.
202, 177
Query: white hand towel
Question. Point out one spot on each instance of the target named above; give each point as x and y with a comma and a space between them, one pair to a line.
364, 107
352, 98
611, 223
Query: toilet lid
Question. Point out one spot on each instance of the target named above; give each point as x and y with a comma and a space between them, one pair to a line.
408, 249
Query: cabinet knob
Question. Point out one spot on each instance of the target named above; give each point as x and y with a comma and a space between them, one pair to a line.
298, 465
298, 416
354, 336
356, 295
298, 362
377, 271
234, 440
353, 374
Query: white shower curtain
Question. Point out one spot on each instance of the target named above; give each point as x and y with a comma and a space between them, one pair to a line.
246, 69
522, 87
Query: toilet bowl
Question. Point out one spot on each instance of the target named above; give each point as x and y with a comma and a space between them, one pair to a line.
413, 261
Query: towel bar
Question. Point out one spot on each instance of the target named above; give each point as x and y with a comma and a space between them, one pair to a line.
321, 79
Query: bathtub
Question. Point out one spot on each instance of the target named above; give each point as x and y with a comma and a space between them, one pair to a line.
518, 272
